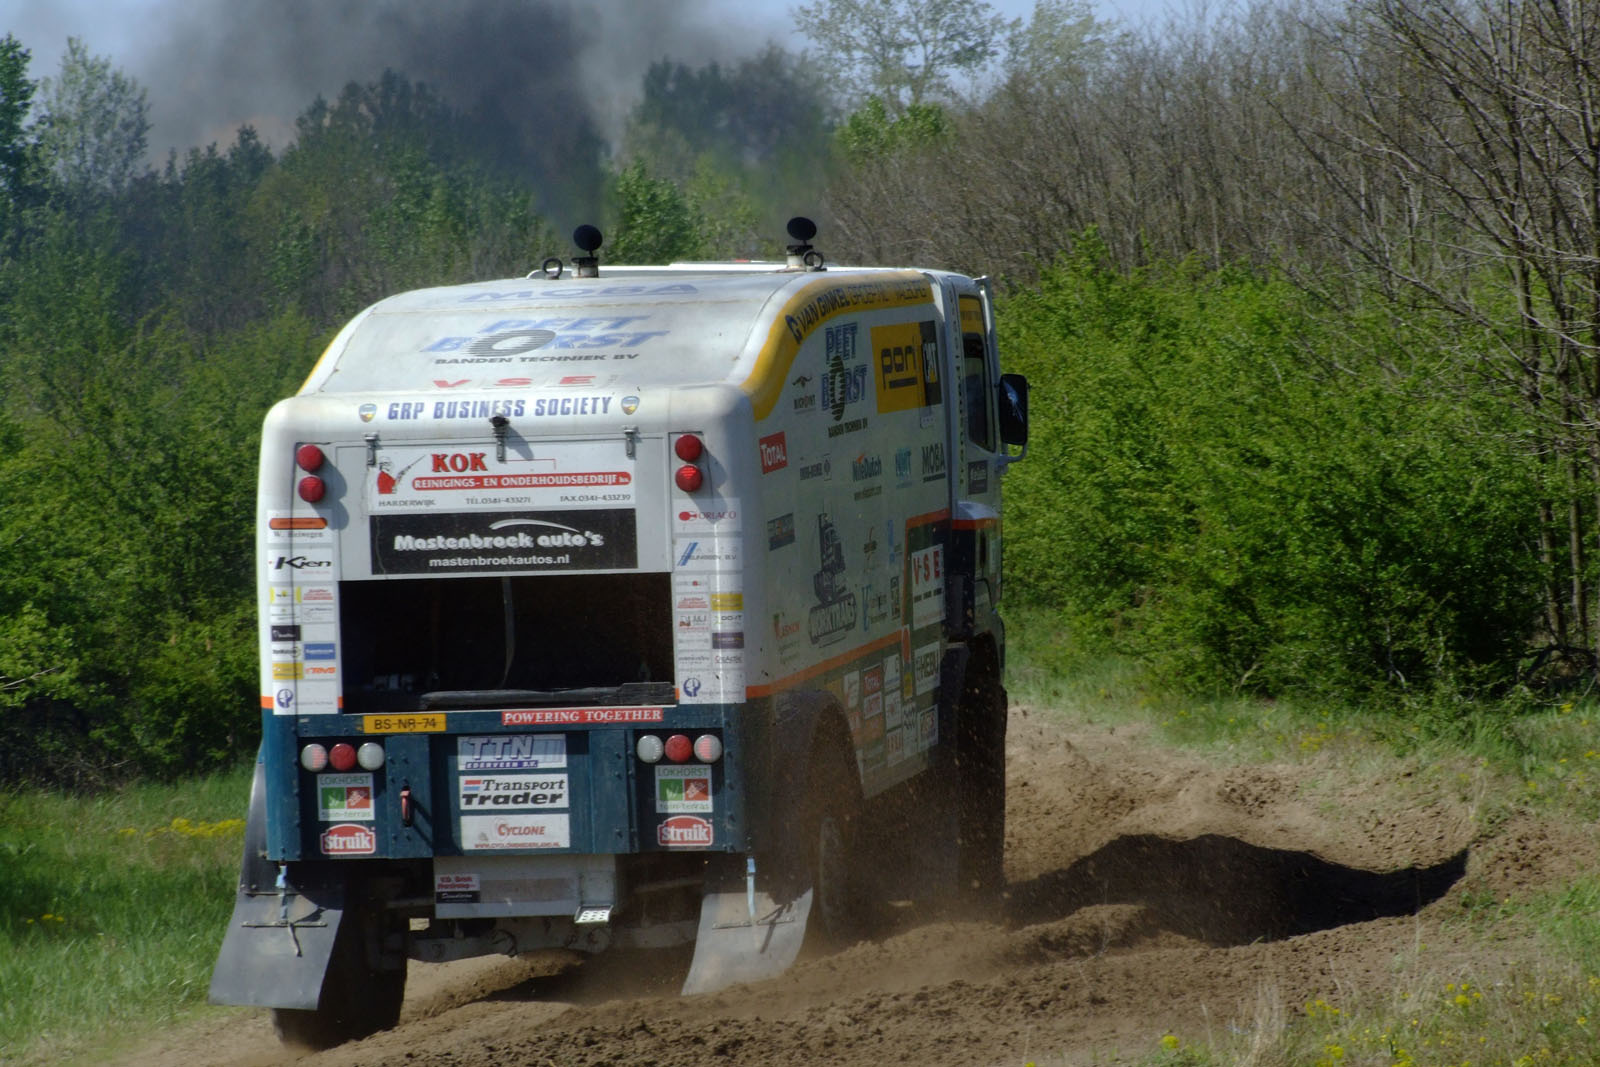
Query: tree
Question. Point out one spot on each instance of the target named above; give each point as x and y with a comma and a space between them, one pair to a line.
655, 221
905, 52
1465, 155
93, 123
16, 96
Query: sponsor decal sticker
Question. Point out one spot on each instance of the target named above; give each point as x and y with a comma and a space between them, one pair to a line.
496, 792
819, 468
925, 668
344, 797
577, 717
684, 831
284, 699
367, 412
511, 752
906, 365
835, 611
591, 539
978, 476
774, 452
348, 839
705, 554
630, 404
933, 468
927, 586
508, 833
845, 382
685, 789
286, 566
284, 633
319, 650
455, 889
902, 468
287, 672
781, 531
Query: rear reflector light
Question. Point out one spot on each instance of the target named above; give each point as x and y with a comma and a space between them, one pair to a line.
707, 748
679, 749
342, 757
313, 758
649, 748
370, 756
309, 457
312, 489
689, 478
688, 447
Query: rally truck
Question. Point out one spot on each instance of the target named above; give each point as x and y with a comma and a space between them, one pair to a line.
624, 608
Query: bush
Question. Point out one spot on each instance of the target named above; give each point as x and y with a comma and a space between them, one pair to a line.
1238, 490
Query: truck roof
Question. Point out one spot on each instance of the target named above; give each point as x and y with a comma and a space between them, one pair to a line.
685, 324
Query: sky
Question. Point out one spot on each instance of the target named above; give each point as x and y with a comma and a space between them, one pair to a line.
210, 65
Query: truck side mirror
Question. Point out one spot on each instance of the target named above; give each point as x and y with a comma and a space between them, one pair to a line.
1014, 412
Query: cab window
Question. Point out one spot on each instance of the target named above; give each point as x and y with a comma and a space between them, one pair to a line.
975, 383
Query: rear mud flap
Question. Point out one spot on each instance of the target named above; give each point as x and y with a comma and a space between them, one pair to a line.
276, 951
747, 932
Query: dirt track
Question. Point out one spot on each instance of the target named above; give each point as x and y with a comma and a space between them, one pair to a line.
1149, 893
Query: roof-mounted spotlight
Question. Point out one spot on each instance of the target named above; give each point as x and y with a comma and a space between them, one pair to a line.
588, 238
801, 255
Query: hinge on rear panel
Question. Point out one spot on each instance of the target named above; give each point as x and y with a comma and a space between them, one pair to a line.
630, 437
372, 448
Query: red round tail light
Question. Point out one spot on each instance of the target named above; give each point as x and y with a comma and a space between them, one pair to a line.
679, 748
688, 447
689, 478
312, 489
342, 757
309, 457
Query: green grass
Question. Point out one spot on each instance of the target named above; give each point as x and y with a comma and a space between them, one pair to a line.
112, 908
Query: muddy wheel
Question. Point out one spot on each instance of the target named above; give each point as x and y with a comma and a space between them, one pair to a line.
833, 812
357, 998
981, 790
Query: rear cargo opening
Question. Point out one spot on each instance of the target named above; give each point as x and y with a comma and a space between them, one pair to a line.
464, 642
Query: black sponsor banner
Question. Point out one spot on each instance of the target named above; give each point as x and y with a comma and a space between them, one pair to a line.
602, 539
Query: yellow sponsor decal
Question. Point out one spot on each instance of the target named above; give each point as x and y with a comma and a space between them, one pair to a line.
416, 722
727, 601
905, 365
286, 672
814, 304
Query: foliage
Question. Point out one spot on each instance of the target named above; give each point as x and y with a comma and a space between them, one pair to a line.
872, 135
1208, 488
656, 223
16, 96
903, 52
92, 123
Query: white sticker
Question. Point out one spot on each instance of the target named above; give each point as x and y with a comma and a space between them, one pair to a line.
708, 553
511, 752
505, 792
507, 833
927, 586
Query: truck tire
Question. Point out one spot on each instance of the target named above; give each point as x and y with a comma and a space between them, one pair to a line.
832, 817
357, 999
981, 790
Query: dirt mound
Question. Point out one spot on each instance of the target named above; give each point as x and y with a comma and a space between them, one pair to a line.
1149, 892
